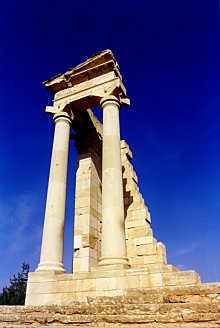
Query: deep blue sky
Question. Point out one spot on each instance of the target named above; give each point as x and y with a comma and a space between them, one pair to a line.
169, 54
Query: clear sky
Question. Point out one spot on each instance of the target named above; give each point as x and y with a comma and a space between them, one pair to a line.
168, 52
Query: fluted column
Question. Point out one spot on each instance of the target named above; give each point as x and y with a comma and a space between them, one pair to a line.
113, 245
53, 232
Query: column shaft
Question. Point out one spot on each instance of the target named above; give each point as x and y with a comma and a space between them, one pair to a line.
53, 232
113, 245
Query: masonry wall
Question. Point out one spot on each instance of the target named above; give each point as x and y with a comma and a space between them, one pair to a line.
88, 209
142, 248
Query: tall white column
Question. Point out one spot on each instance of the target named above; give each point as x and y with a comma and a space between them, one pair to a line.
113, 245
53, 232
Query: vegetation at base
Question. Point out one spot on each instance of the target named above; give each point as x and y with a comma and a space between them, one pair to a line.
15, 293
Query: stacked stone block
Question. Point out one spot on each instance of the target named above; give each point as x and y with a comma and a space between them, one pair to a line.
87, 219
64, 288
142, 247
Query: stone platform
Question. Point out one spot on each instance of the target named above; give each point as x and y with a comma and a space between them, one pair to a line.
64, 288
184, 306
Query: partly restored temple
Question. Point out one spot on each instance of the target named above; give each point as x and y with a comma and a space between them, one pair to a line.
120, 272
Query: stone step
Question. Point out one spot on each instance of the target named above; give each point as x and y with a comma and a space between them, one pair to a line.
209, 293
189, 277
156, 268
101, 314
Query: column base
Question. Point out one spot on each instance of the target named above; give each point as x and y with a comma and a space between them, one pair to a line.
111, 262
111, 267
51, 267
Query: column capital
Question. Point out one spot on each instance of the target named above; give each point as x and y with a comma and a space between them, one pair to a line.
114, 100
63, 116
61, 112
110, 100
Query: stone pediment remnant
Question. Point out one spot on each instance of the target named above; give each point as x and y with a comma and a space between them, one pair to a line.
86, 84
100, 64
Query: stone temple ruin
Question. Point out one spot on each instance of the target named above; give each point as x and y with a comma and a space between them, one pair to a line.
115, 250
117, 261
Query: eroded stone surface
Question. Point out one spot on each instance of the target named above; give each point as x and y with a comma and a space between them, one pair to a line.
153, 308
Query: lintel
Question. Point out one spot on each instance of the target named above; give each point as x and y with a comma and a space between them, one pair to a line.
89, 97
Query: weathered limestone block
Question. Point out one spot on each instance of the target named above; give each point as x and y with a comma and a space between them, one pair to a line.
144, 240
150, 249
180, 278
136, 206
129, 173
137, 232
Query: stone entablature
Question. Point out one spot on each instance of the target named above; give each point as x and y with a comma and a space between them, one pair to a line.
99, 65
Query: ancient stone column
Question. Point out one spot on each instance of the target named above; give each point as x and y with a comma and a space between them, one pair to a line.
113, 245
53, 232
